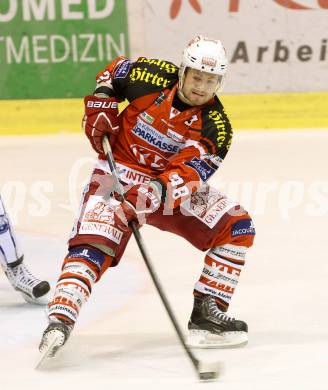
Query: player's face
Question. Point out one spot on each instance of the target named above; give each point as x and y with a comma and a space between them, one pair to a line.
199, 87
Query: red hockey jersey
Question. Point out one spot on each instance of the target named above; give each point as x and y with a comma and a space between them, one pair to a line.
156, 140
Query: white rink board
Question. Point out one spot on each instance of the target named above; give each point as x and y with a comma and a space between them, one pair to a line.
247, 25
124, 339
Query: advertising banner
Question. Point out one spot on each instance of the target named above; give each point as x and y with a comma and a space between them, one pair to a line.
54, 48
272, 45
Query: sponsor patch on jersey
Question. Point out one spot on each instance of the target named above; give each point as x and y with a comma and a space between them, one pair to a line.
220, 124
4, 225
244, 227
217, 211
214, 159
123, 70
208, 207
149, 157
129, 175
155, 138
175, 136
160, 99
167, 66
98, 219
147, 118
201, 167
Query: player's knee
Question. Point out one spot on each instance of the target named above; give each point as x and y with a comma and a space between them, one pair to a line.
238, 229
86, 262
242, 230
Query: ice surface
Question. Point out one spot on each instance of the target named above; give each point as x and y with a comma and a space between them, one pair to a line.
124, 339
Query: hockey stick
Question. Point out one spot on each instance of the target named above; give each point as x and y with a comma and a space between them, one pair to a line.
205, 371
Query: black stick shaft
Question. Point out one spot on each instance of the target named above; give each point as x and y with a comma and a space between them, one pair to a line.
146, 258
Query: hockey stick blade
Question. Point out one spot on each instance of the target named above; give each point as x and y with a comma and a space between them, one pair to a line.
46, 353
209, 371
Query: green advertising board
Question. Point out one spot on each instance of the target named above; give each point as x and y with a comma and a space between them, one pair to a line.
54, 48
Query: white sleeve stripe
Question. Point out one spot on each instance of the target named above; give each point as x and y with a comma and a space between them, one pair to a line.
195, 144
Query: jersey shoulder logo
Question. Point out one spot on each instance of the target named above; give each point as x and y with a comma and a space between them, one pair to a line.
123, 69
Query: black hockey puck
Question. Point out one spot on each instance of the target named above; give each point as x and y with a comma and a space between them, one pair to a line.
41, 289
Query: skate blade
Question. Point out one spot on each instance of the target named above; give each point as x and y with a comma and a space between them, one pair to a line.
47, 352
206, 340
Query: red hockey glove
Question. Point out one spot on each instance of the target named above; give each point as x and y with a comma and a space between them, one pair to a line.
100, 119
140, 200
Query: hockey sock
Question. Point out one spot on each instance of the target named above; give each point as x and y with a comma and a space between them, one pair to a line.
220, 274
82, 267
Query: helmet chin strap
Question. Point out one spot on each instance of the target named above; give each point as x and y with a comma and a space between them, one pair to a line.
182, 76
184, 99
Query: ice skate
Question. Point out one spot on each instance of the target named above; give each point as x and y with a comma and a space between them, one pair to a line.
32, 289
53, 338
209, 327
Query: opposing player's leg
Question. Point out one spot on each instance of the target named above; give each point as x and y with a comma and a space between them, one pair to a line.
213, 223
95, 245
32, 289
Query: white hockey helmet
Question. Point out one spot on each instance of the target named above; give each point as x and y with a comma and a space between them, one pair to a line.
207, 55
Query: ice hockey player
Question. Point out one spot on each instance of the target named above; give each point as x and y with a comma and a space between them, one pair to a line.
167, 143
32, 289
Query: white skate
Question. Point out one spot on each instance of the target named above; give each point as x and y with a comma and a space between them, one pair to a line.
32, 289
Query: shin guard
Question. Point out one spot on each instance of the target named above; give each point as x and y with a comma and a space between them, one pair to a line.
82, 267
221, 272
